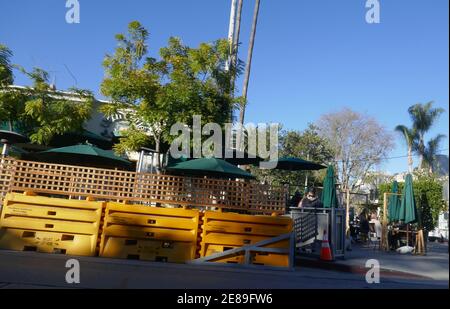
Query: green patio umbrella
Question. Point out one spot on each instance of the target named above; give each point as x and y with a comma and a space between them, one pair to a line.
408, 210
297, 164
394, 203
84, 155
209, 167
329, 196
171, 161
14, 132
79, 137
13, 137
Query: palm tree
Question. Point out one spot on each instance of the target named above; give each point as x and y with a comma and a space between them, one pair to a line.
423, 117
410, 136
6, 75
431, 151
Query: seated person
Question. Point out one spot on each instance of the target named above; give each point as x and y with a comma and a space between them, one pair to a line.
393, 237
295, 200
311, 200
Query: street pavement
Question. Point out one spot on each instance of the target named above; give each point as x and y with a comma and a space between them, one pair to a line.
433, 265
36, 270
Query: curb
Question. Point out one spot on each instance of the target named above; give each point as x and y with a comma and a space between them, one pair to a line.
336, 266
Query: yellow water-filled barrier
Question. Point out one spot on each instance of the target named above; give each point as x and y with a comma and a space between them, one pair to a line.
265, 240
149, 233
49, 225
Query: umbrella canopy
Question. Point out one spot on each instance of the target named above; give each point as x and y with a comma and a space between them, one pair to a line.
210, 167
243, 158
329, 196
394, 203
13, 137
14, 132
238, 158
73, 138
408, 210
86, 155
297, 164
171, 161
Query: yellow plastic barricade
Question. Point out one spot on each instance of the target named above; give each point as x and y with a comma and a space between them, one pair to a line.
149, 233
225, 231
49, 225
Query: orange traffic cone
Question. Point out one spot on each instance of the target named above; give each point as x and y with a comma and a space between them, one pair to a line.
325, 251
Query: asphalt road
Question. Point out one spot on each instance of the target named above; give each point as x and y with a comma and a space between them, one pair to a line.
35, 270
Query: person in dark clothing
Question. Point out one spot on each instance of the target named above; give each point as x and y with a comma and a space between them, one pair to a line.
295, 200
311, 200
363, 226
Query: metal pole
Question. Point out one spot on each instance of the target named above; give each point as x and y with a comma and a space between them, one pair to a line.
237, 31
231, 31
140, 162
249, 61
5, 148
306, 178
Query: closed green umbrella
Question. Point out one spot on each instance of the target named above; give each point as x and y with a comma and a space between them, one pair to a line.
209, 167
408, 210
394, 203
329, 196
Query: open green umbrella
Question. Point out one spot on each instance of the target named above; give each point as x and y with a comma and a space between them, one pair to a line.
297, 164
14, 132
394, 203
79, 137
209, 167
329, 196
408, 210
85, 155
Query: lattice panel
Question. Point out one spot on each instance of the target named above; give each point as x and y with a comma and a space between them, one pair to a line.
115, 185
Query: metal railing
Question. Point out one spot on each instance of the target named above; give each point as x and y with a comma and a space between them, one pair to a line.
311, 223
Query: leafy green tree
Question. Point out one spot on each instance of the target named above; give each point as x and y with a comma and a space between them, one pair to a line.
54, 113
12, 100
306, 145
39, 110
6, 74
153, 94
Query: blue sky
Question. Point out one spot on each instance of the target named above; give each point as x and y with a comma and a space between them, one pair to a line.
311, 56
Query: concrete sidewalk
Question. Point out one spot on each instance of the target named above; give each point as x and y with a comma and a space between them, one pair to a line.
434, 265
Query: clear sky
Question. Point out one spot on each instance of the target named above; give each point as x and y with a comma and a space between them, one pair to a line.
311, 56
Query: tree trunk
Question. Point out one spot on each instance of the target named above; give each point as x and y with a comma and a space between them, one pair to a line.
421, 152
158, 161
410, 159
